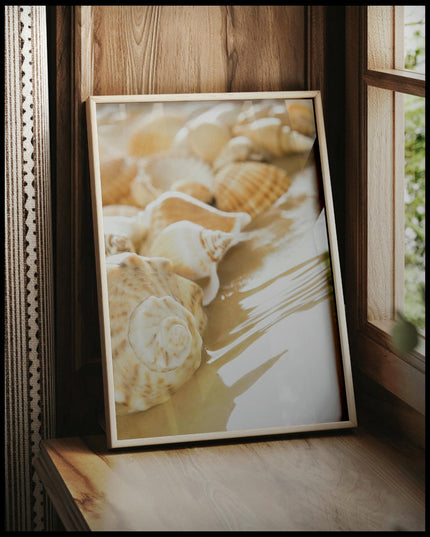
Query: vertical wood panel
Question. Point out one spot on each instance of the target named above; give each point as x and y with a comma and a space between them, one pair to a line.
86, 335
380, 201
380, 44
189, 49
356, 189
59, 36
325, 68
266, 48
316, 50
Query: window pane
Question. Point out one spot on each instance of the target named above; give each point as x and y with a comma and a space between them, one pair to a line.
414, 38
414, 307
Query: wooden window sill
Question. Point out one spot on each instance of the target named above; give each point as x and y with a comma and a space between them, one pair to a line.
347, 481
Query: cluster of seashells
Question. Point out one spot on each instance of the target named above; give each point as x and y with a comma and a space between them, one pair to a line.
173, 206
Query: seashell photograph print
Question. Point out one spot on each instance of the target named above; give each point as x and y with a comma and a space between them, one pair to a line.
219, 286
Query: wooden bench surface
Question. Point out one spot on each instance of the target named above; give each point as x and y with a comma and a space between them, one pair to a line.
328, 482
346, 481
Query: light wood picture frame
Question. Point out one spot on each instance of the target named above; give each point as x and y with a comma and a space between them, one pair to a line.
219, 286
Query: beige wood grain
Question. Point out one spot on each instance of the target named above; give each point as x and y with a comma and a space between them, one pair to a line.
380, 203
58, 493
399, 41
380, 42
329, 483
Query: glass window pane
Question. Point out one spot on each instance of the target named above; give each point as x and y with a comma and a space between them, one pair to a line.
414, 38
414, 303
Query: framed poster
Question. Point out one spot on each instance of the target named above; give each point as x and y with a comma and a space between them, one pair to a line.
221, 304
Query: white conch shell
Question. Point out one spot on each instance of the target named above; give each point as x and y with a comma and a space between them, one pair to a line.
239, 149
270, 134
194, 252
133, 227
205, 135
173, 207
156, 322
250, 187
155, 135
115, 244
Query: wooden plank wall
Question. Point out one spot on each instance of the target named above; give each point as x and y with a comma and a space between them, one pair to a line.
107, 50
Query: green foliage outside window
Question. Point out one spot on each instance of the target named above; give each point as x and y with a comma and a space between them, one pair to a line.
414, 308
415, 210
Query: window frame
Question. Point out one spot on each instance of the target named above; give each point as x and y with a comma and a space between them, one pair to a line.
371, 350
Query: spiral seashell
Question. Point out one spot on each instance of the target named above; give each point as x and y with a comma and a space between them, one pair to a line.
156, 322
155, 135
250, 187
115, 244
173, 207
132, 227
116, 176
239, 149
194, 252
